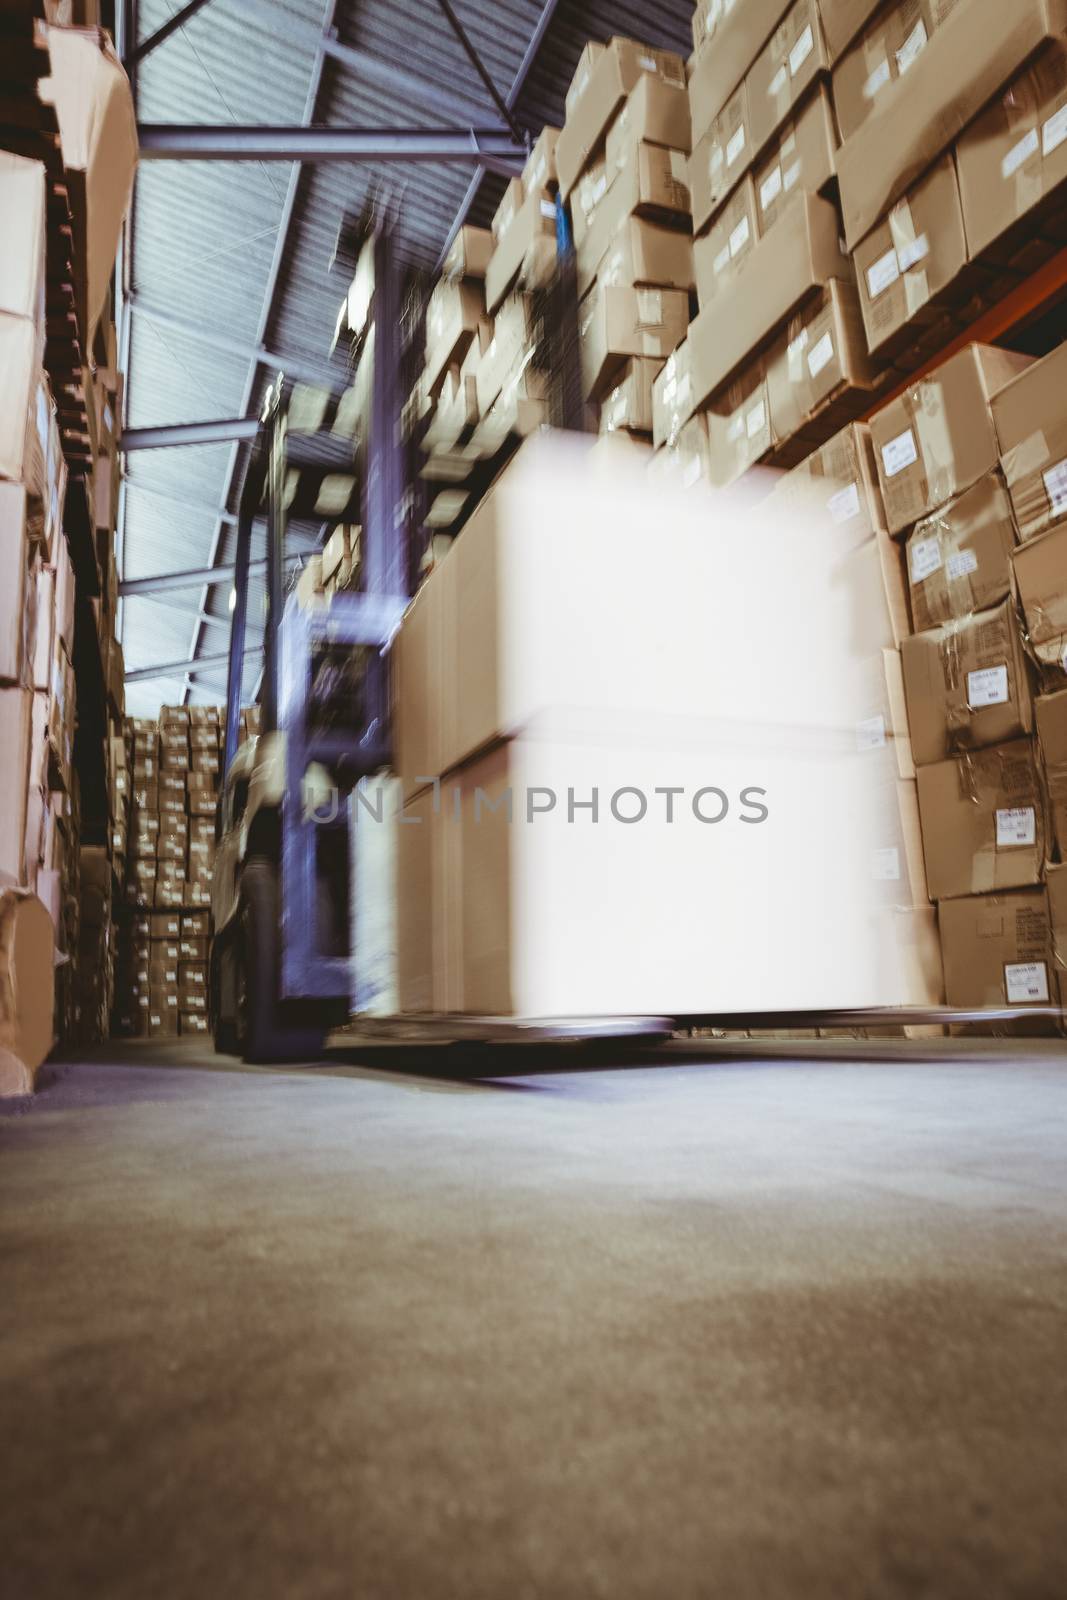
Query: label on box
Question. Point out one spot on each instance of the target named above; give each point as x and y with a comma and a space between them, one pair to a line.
877, 80
911, 48
735, 145
790, 176
960, 564
1054, 132
722, 260
778, 83
756, 420
820, 354
886, 866
988, 687
1026, 981
870, 734
914, 251
796, 347
801, 51
770, 188
899, 453
845, 504
739, 237
925, 558
1056, 487
547, 208
1016, 826
1019, 153
882, 274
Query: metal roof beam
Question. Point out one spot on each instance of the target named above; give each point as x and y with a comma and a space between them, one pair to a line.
480, 68
398, 80
220, 432
548, 11
290, 366
186, 669
166, 141
195, 577
171, 25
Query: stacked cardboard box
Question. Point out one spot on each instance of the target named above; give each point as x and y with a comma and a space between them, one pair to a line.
952, 116
776, 361
622, 164
164, 933
971, 664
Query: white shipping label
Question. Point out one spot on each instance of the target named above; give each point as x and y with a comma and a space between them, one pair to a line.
870, 734
1056, 487
899, 453
886, 866
735, 429
988, 687
845, 504
739, 237
1019, 153
647, 62
790, 176
925, 558
820, 354
877, 80
882, 274
801, 51
914, 251
722, 260
911, 48
770, 188
960, 564
779, 83
735, 145
756, 420
1054, 132
547, 208
1026, 981
1016, 826
797, 346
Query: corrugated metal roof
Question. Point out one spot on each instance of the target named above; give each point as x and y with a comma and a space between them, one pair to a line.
205, 235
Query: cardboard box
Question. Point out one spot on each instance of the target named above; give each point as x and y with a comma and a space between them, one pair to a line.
511, 340
539, 174
511, 203
672, 396
881, 713
1040, 568
26, 596
983, 821
534, 221
640, 254
647, 180
842, 20
997, 950
801, 157
967, 685
803, 253
790, 62
629, 405
898, 868
738, 424
1056, 889
959, 559
877, 592
721, 252
974, 51
617, 324
819, 359
908, 261
839, 483
1031, 422
455, 309
885, 50
720, 158
602, 82
195, 924
193, 1022
25, 409
1014, 156
1050, 711
937, 438
22, 262
733, 36
655, 112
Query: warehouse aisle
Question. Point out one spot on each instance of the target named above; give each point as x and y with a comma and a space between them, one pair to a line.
782, 1329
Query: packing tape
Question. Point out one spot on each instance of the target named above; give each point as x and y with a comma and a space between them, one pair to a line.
930, 418
1025, 458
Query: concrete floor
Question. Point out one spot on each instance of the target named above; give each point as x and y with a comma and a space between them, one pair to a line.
755, 1328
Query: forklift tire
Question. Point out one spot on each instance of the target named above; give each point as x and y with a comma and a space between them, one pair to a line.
268, 1033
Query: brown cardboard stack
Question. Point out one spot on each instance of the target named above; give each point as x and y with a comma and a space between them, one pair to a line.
951, 114
622, 159
164, 948
969, 668
776, 361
